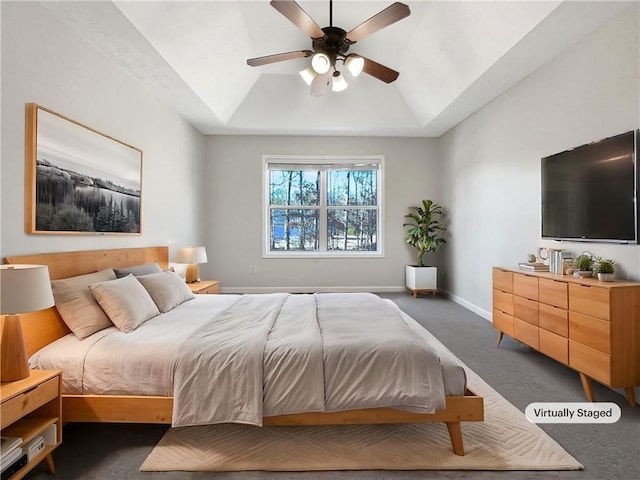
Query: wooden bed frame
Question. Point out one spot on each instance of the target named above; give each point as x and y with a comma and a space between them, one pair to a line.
46, 326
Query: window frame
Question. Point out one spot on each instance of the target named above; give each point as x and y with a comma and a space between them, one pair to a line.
322, 160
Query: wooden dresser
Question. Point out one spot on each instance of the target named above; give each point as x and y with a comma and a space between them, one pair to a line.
591, 326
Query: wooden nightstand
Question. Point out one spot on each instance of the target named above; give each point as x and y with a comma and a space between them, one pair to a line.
32, 407
205, 286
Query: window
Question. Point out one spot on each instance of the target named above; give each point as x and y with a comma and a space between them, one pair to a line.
323, 206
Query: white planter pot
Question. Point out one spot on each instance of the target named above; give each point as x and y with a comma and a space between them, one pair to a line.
421, 278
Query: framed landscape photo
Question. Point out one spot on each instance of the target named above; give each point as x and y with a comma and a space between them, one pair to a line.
78, 180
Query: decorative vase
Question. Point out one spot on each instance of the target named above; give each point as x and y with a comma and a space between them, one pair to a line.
605, 277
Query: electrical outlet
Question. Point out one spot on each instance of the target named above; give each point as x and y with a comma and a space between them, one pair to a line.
252, 269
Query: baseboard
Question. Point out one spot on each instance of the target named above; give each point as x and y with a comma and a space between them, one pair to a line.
466, 304
312, 289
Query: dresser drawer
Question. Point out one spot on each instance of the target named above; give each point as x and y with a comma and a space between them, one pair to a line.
590, 361
525, 309
593, 301
590, 331
503, 322
525, 286
526, 333
503, 280
554, 319
554, 346
503, 301
552, 292
25, 403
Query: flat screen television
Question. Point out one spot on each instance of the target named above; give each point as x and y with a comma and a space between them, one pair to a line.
590, 193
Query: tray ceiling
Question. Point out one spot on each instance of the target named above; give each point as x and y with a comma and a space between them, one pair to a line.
453, 58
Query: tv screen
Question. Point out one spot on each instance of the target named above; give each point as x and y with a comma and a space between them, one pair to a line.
590, 192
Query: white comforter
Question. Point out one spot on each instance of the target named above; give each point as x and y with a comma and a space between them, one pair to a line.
237, 358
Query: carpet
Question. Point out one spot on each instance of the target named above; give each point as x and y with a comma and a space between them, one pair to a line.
506, 440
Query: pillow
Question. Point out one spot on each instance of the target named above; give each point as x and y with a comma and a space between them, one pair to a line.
167, 289
125, 301
77, 306
138, 270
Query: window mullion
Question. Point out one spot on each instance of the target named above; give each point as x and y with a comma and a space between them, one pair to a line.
323, 220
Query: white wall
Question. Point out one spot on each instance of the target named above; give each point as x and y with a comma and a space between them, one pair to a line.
491, 160
233, 200
45, 62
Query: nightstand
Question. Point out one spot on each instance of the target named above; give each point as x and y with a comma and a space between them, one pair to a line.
205, 286
30, 408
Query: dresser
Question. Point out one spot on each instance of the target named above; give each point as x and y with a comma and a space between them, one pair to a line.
590, 326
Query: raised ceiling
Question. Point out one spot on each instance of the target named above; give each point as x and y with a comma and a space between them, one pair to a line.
453, 58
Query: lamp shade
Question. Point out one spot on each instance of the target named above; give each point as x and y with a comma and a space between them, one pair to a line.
191, 255
308, 74
321, 63
24, 288
338, 83
355, 64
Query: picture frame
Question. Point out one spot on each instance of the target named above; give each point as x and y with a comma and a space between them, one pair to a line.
78, 180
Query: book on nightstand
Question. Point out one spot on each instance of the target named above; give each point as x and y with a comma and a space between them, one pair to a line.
7, 444
15, 466
9, 458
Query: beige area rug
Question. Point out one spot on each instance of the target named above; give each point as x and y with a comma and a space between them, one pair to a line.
506, 440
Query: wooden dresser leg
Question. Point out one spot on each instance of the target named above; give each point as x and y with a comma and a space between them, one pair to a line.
455, 432
631, 396
500, 335
587, 386
50, 465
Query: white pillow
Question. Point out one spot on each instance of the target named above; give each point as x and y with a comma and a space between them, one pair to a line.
167, 289
125, 301
77, 306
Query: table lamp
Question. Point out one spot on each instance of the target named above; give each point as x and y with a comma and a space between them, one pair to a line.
23, 289
192, 256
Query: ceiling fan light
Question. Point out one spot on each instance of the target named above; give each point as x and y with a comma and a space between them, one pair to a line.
355, 64
338, 83
308, 74
320, 63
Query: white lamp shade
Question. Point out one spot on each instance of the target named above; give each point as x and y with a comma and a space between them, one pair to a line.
191, 255
308, 74
338, 83
24, 288
320, 63
355, 64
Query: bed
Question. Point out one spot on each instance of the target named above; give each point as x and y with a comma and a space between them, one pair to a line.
157, 401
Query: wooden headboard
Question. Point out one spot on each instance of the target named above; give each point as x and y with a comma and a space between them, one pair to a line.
42, 328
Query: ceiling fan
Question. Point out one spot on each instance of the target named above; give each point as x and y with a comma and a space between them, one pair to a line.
330, 45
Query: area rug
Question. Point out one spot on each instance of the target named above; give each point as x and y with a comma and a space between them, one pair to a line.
506, 440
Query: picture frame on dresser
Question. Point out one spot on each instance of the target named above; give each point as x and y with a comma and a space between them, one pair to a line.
78, 180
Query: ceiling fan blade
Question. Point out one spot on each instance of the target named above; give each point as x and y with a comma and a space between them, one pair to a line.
386, 17
297, 16
320, 84
379, 71
278, 57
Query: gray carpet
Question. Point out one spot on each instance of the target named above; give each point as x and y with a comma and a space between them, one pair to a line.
522, 376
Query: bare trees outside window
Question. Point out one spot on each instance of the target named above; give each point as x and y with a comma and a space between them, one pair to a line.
323, 205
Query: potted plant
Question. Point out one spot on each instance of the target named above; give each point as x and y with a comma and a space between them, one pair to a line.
605, 268
425, 235
584, 265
